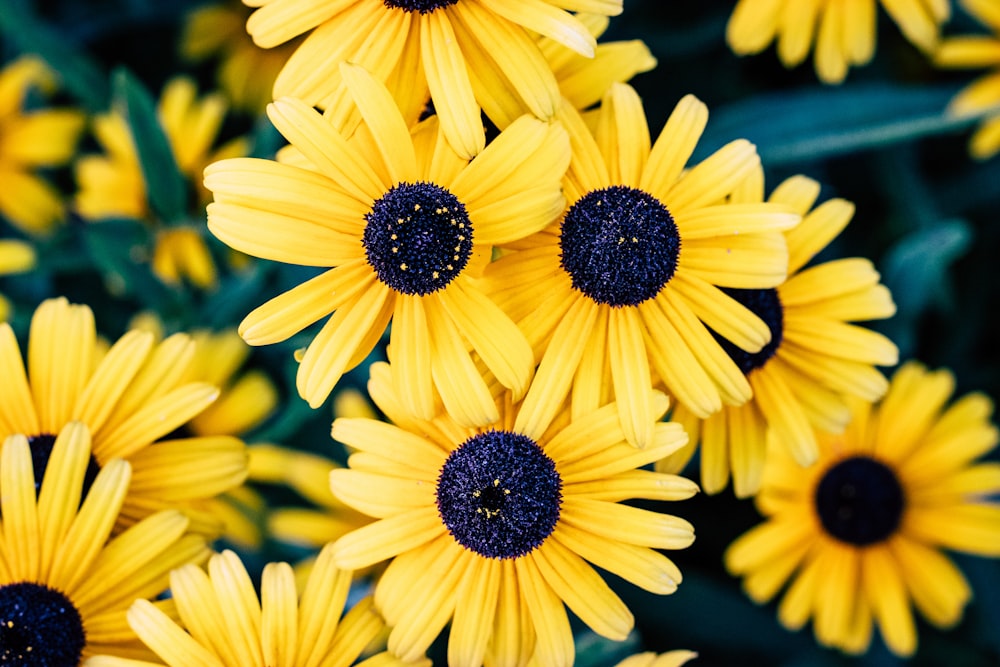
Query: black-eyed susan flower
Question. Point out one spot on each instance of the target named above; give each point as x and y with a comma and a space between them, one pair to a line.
860, 535
840, 32
449, 50
650, 659
815, 356
33, 139
15, 257
405, 224
620, 288
245, 71
112, 185
224, 623
64, 585
983, 94
492, 529
131, 398
582, 79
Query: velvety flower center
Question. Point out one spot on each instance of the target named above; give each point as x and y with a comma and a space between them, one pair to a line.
41, 451
39, 626
422, 6
765, 304
499, 494
418, 237
860, 501
619, 245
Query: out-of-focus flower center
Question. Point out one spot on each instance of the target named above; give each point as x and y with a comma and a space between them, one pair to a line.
860, 501
619, 245
499, 494
418, 238
41, 451
38, 626
765, 304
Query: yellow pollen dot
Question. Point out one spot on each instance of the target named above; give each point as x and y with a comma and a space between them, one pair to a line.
395, 249
461, 225
403, 267
477, 493
635, 240
435, 275
416, 207
460, 238
400, 220
450, 267
621, 239
393, 237
454, 221
496, 482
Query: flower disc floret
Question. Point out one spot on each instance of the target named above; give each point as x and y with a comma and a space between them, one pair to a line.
860, 501
422, 6
38, 626
619, 245
765, 304
499, 494
418, 238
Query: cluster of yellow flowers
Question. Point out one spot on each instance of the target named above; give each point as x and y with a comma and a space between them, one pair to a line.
557, 312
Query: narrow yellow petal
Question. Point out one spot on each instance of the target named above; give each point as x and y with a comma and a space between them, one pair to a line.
583, 591
158, 418
387, 537
646, 568
20, 513
166, 639
449, 84
384, 120
623, 134
497, 340
342, 338
474, 614
279, 604
554, 643
466, 397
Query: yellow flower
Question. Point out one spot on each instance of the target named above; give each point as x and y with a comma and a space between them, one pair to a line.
623, 284
492, 529
454, 51
112, 185
859, 535
844, 31
64, 585
405, 224
223, 622
983, 94
246, 72
15, 257
129, 397
650, 659
31, 140
815, 357
582, 80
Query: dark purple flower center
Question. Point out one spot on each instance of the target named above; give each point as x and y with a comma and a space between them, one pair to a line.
619, 245
860, 501
418, 238
499, 494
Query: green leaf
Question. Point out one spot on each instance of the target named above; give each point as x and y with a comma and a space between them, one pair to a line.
80, 75
915, 269
165, 185
114, 245
816, 124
